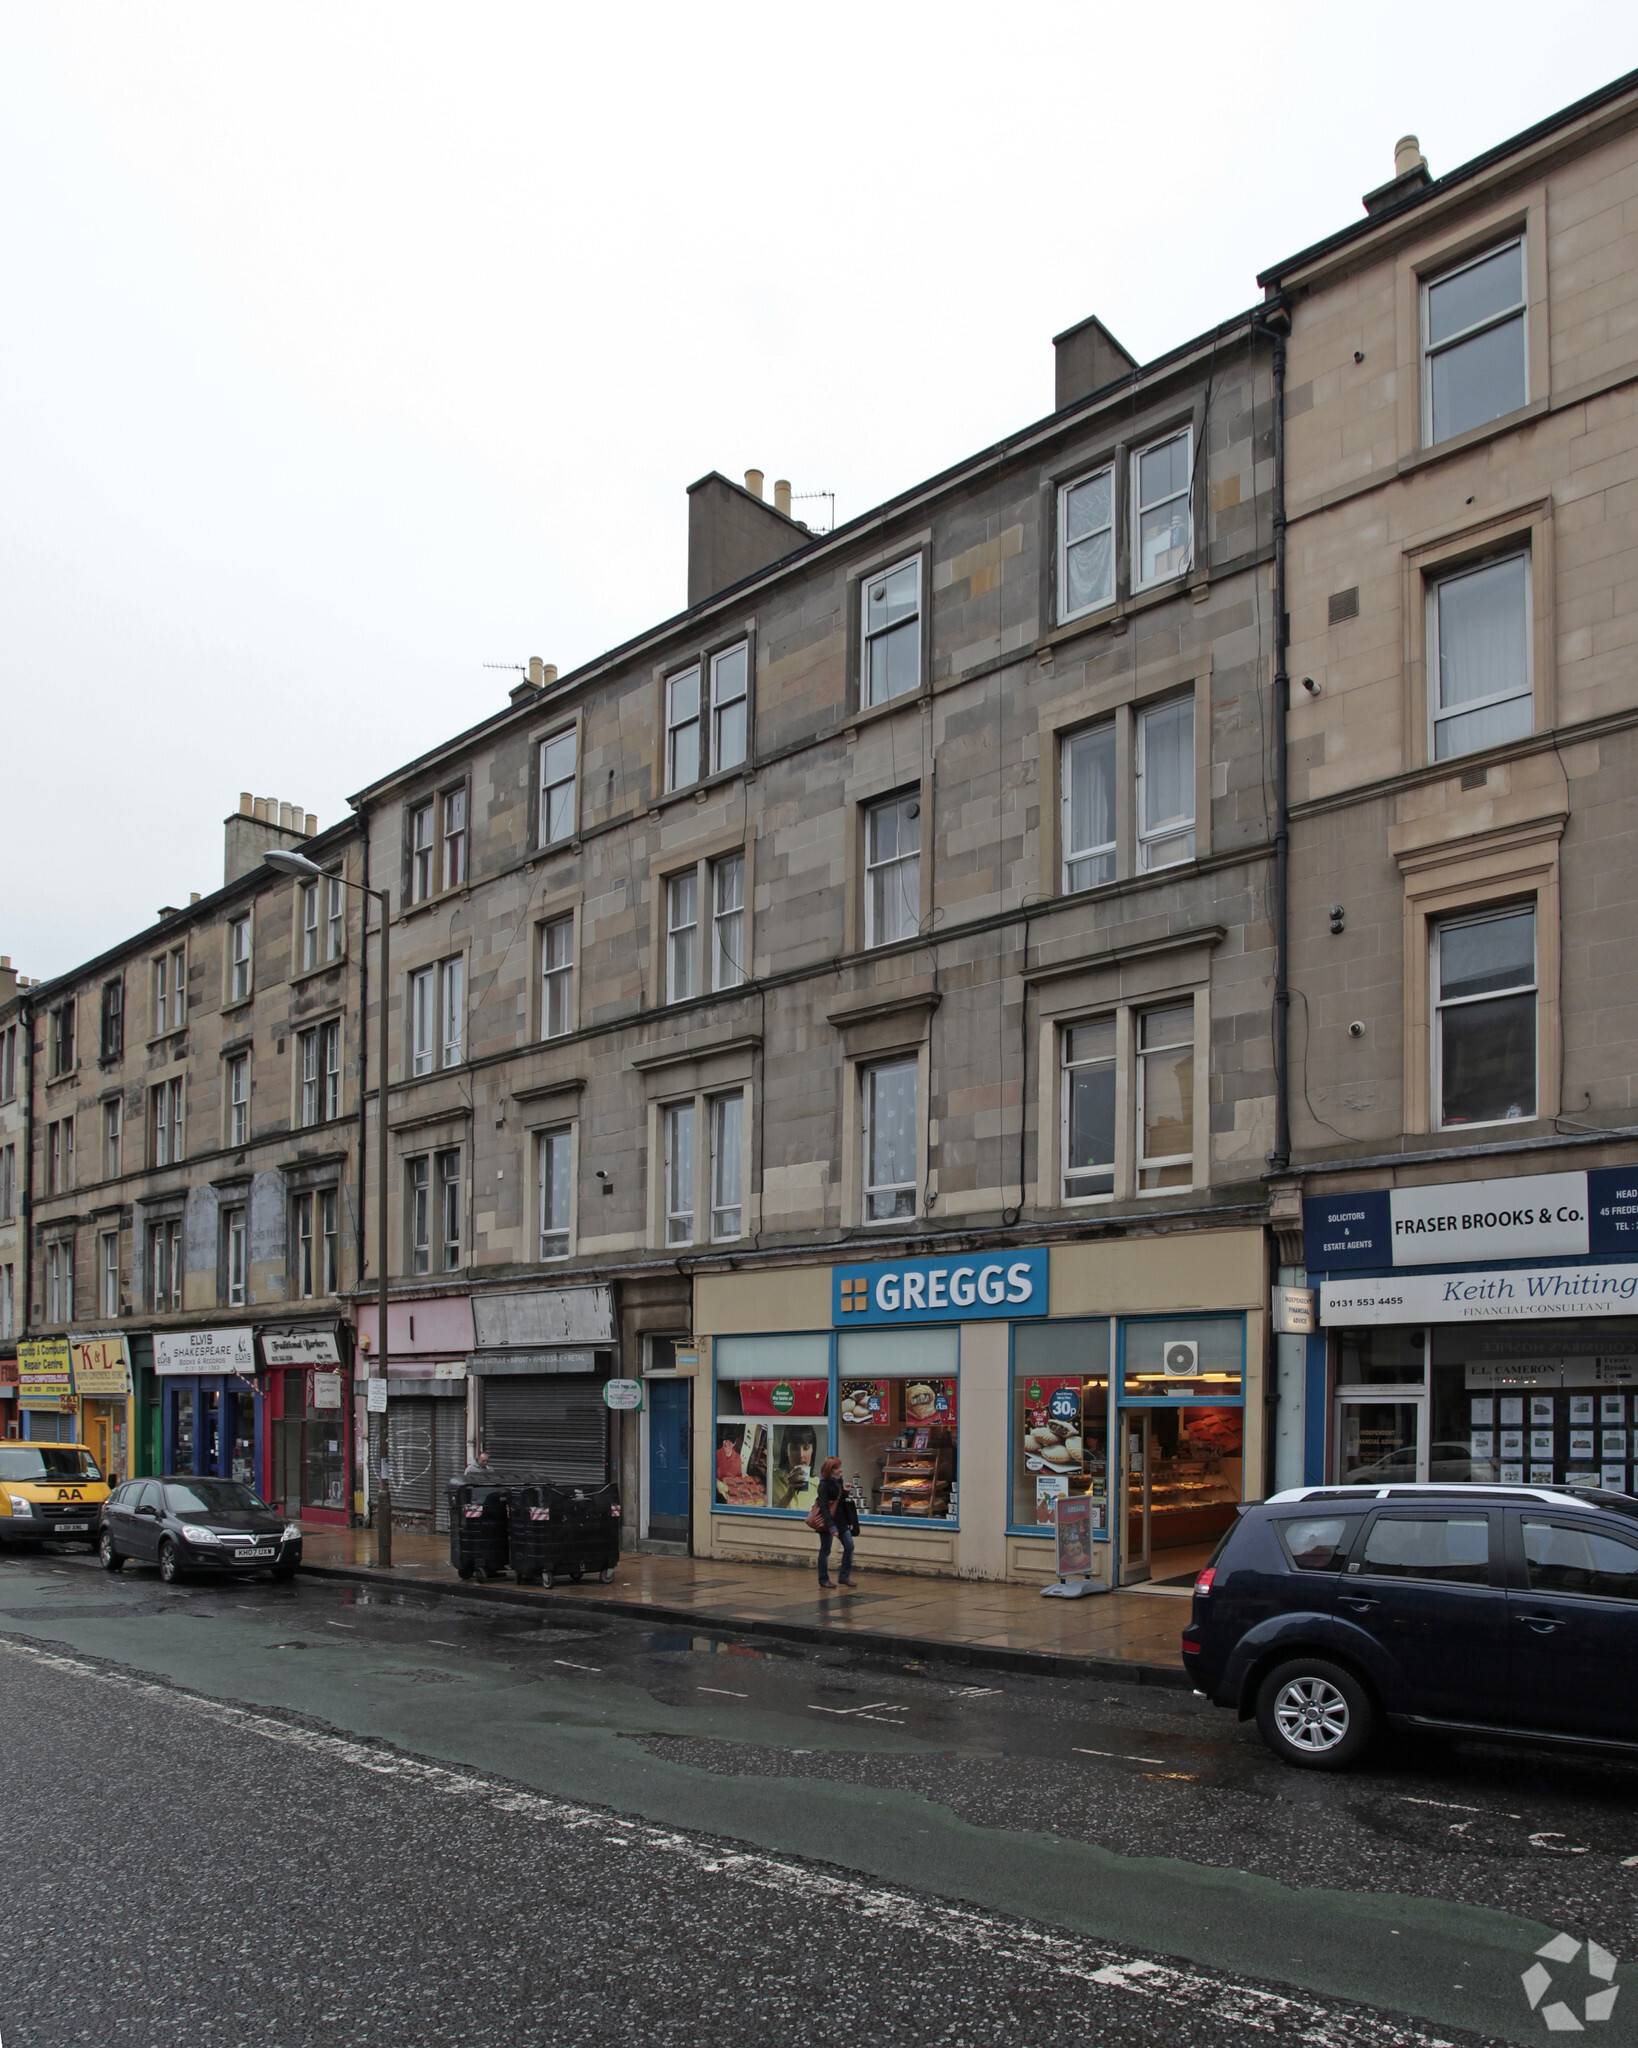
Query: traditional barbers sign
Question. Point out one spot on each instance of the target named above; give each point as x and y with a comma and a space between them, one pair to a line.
955, 1290
300, 1347
206, 1351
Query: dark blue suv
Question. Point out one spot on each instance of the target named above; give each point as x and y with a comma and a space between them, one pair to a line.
1495, 1610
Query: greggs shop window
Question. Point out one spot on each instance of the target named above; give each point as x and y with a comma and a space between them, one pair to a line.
898, 1400
1060, 1419
772, 1421
1188, 1371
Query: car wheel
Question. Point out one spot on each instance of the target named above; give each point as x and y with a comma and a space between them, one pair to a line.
170, 1565
1314, 1714
111, 1559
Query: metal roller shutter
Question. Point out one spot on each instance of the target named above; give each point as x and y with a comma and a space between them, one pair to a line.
556, 1422
448, 1455
409, 1453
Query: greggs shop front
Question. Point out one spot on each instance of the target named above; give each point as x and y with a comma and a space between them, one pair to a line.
965, 1394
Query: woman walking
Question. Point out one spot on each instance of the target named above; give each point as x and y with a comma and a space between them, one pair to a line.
837, 1517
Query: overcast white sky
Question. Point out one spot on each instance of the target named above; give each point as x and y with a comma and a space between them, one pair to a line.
347, 348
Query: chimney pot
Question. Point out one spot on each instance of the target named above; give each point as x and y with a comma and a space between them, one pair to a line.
782, 496
287, 817
193, 895
5, 962
247, 804
753, 482
548, 675
1407, 154
312, 824
536, 670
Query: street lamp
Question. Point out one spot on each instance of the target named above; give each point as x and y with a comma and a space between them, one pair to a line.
285, 861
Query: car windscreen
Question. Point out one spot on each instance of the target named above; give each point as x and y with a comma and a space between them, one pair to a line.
213, 1497
47, 1464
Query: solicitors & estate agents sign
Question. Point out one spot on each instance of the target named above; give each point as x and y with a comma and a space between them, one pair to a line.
1455, 1223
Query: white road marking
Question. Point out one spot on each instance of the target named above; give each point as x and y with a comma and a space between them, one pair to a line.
723, 1692
341, 1624
1120, 1755
443, 1643
1197, 1994
569, 1665
874, 1704
1448, 1805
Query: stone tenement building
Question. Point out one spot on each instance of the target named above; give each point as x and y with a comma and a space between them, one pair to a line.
194, 1129
904, 899
1462, 489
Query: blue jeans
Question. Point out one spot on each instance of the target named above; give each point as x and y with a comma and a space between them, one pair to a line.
846, 1537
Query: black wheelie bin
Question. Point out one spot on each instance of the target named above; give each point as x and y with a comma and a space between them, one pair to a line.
564, 1530
478, 1526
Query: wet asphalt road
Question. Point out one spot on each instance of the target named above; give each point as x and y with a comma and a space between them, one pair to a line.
317, 1810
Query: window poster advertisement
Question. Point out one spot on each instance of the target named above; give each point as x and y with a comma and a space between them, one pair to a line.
783, 1397
866, 1405
742, 1464
1052, 1433
796, 1456
1050, 1488
928, 1402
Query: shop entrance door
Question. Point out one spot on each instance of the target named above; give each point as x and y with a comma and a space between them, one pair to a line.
1135, 1446
1380, 1442
668, 1459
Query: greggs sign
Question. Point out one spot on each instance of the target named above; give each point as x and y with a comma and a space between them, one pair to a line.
1006, 1285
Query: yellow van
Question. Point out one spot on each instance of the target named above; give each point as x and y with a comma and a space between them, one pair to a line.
50, 1493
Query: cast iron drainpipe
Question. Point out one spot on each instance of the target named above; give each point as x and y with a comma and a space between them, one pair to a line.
1275, 322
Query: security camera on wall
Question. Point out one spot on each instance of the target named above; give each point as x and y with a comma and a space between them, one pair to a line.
1181, 1359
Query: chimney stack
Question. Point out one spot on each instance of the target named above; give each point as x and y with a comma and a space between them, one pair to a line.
753, 482
1410, 174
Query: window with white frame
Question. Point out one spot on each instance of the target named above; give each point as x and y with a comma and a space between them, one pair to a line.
418, 1206
679, 1173
1165, 1107
1086, 544
890, 632
170, 991
238, 1131
113, 1137
422, 831
682, 728
557, 762
892, 870
309, 926
1484, 1034
554, 1156
307, 1048
236, 1248
729, 678
1162, 519
8, 1183
1088, 1052
113, 1018
330, 1242
682, 920
8, 1302
330, 1053
108, 1273
727, 1146
889, 1099
728, 921
449, 1210
238, 959
62, 1038
165, 1123
60, 1280
1165, 784
1474, 363
423, 1016
8, 1063
60, 1156
454, 806
557, 976
304, 1247
165, 1265
452, 973
1087, 769
335, 928
1479, 648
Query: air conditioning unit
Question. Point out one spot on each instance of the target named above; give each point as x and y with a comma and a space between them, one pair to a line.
1180, 1358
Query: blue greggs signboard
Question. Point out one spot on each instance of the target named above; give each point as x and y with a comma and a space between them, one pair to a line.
958, 1290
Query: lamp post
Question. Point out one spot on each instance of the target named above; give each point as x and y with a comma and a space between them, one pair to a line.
285, 861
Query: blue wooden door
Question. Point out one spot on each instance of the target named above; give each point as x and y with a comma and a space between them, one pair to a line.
668, 1451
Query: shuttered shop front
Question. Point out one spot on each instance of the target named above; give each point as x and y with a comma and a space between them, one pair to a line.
426, 1442
553, 1421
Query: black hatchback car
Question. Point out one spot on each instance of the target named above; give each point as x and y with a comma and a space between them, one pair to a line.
1485, 1610
188, 1524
